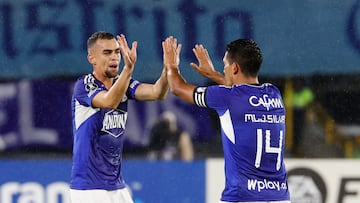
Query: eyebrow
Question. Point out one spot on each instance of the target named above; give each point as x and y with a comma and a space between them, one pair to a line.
111, 50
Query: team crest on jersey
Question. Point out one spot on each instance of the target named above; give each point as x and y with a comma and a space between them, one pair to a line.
114, 123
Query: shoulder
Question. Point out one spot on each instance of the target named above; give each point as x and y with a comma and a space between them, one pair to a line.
213, 90
261, 87
219, 88
266, 85
85, 79
269, 85
211, 96
272, 89
89, 79
86, 83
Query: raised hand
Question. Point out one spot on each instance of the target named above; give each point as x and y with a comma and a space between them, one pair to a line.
178, 50
129, 55
205, 66
171, 51
178, 85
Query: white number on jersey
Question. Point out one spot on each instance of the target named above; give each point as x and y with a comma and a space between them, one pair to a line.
268, 148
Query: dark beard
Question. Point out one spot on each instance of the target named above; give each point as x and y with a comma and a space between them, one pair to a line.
110, 74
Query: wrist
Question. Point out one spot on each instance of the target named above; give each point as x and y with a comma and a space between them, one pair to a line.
172, 69
128, 69
171, 65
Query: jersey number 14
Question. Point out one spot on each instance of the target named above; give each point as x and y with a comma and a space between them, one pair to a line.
268, 148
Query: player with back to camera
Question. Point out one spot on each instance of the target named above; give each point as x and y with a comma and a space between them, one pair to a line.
252, 118
99, 110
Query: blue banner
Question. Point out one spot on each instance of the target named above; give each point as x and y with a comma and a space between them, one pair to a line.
47, 181
37, 114
29, 181
41, 38
163, 182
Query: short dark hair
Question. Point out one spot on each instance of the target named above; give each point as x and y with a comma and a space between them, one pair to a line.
98, 35
247, 54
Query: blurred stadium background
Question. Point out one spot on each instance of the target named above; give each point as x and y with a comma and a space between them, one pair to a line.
312, 44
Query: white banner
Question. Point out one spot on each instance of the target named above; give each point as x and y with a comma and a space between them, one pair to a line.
310, 180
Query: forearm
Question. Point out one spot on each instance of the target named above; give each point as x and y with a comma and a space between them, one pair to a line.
161, 86
118, 90
156, 91
178, 85
216, 76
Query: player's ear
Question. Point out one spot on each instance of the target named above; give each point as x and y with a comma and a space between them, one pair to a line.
91, 59
236, 68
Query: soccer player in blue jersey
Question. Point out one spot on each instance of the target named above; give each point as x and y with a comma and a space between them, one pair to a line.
252, 118
99, 110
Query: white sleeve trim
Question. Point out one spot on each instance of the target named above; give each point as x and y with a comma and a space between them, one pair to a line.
227, 126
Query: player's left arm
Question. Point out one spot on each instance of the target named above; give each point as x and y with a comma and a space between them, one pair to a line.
177, 83
157, 91
206, 67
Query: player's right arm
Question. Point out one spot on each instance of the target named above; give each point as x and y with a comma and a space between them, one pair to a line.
205, 67
177, 83
113, 97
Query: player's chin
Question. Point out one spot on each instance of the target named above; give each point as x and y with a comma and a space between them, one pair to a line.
112, 72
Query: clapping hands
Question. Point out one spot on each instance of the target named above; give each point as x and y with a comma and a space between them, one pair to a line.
129, 55
171, 50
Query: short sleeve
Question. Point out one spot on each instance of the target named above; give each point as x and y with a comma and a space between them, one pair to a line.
212, 97
85, 90
134, 84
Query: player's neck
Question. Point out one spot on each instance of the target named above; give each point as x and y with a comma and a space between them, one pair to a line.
252, 81
108, 82
246, 80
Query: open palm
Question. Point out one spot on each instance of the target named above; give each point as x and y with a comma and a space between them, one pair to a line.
129, 55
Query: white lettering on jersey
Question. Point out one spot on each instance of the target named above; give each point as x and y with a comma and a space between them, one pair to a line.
259, 185
266, 102
114, 120
264, 118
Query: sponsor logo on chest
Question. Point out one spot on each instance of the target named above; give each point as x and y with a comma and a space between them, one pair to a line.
265, 101
114, 123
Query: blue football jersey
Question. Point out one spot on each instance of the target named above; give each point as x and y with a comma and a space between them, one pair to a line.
98, 137
252, 121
